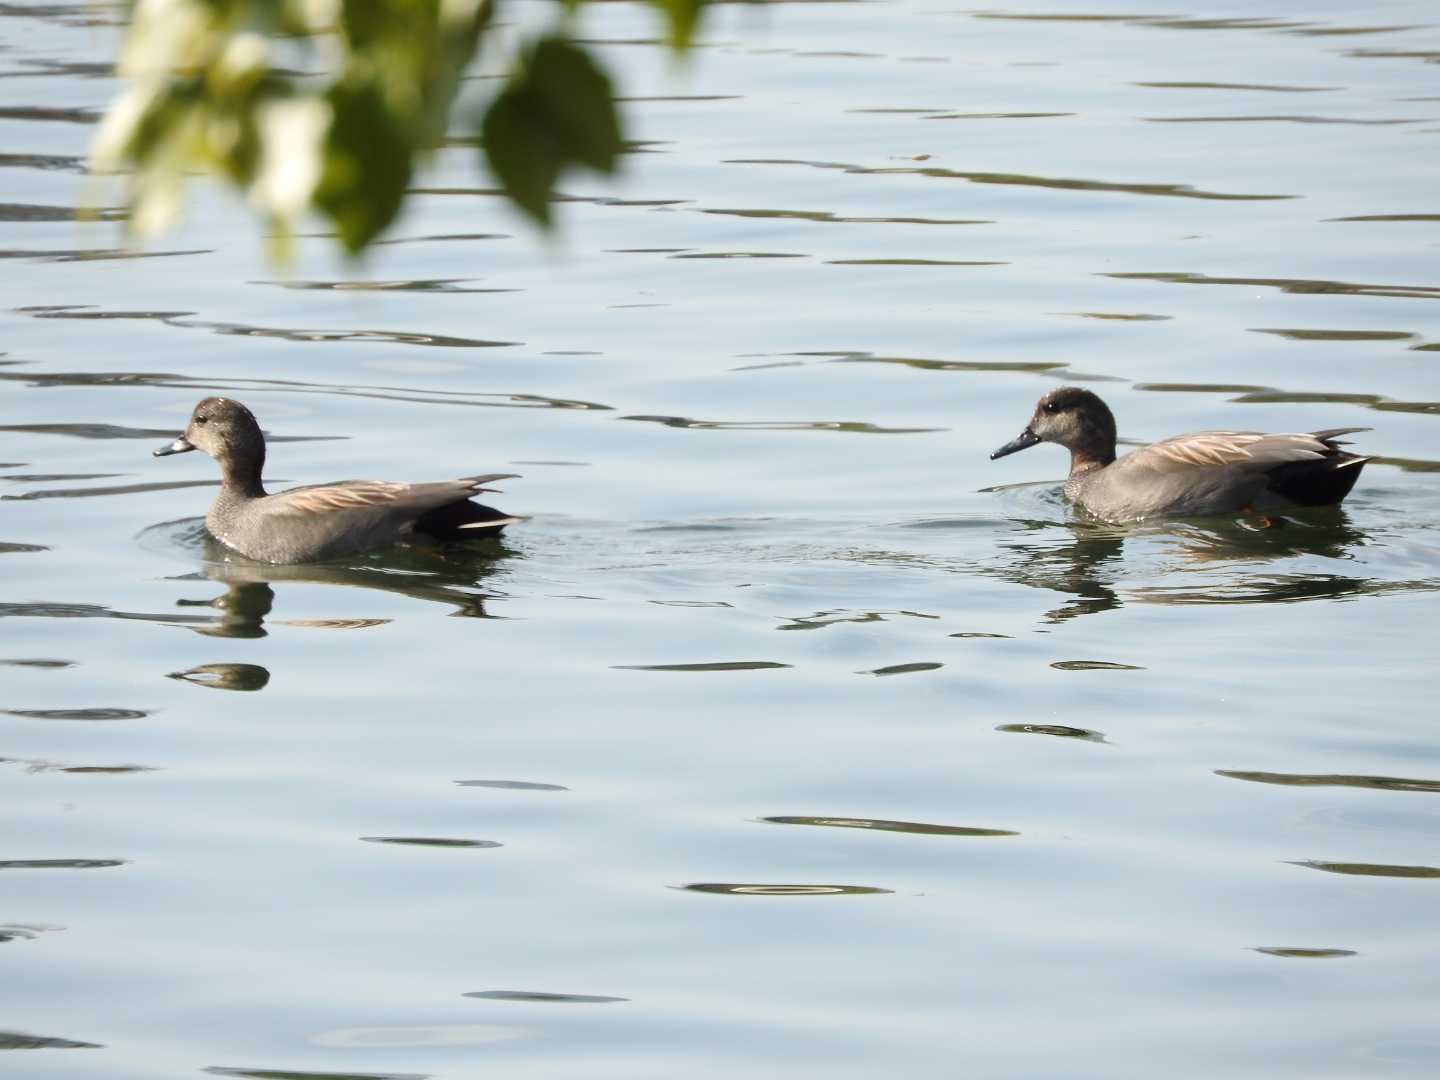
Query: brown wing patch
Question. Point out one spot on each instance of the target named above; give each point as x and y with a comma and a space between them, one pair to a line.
336, 497
1205, 448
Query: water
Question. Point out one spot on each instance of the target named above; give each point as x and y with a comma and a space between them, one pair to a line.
789, 735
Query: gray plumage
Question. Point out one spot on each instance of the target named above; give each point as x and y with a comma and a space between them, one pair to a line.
1195, 475
321, 521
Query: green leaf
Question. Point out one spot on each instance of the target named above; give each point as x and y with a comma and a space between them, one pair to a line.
683, 17
525, 160
367, 163
556, 111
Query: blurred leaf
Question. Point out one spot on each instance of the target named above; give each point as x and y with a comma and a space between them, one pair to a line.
555, 112
344, 135
292, 132
683, 17
367, 163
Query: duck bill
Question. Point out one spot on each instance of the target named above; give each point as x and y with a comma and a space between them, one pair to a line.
179, 446
1023, 441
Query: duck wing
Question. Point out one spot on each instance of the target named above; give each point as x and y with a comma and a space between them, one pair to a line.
379, 495
1247, 451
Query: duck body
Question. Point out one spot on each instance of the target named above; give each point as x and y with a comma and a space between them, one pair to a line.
321, 521
1201, 474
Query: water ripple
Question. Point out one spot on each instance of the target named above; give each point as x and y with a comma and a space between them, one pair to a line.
432, 841
538, 997
425, 285
306, 1074
1428, 56
849, 426
718, 665
1338, 335
94, 254
176, 318
1058, 730
1381, 783
1093, 665
229, 676
824, 216
881, 825
19, 1040
1282, 119
50, 114
116, 489
738, 889
1180, 191
77, 714
1279, 89
1370, 869
1301, 286
1291, 952
361, 390
903, 669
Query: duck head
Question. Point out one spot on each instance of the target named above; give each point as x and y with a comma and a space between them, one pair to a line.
224, 429
1075, 419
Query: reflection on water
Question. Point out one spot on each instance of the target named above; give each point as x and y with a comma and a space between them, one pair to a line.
445, 574
1103, 567
77, 714
1382, 783
1299, 286
1085, 569
824, 216
779, 279
109, 489
1181, 191
851, 427
1291, 952
1275, 119
24, 931
249, 385
717, 665
225, 676
542, 998
1060, 730
904, 669
308, 1074
432, 841
1371, 869
68, 255
783, 890
438, 285
19, 1040
39, 766
877, 825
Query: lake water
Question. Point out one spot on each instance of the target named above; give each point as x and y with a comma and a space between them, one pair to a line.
789, 736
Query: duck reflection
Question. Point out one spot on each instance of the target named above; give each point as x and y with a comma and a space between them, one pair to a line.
1088, 562
246, 677
450, 575
1076, 559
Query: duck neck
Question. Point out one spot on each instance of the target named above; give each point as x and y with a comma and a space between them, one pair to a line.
240, 475
1087, 457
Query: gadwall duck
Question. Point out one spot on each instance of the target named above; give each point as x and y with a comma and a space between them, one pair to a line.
320, 521
1200, 474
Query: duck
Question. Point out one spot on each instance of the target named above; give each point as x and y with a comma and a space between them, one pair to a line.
318, 522
1202, 474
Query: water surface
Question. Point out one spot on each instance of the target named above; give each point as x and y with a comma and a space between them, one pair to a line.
789, 735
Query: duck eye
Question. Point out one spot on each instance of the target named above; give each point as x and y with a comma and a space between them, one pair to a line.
1051, 407
201, 419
